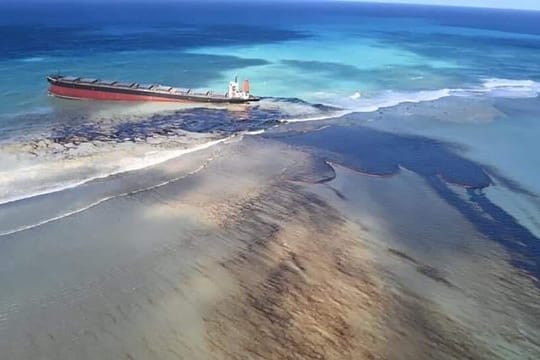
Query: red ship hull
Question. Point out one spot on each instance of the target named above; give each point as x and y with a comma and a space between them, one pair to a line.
93, 89
82, 94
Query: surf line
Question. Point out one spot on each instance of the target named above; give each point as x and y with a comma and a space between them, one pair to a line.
176, 154
105, 199
101, 201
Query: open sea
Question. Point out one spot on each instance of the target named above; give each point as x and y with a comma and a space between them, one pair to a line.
449, 94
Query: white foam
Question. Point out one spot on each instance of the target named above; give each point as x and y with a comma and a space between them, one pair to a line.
493, 83
288, 108
385, 99
511, 88
254, 132
101, 201
492, 87
326, 116
356, 95
357, 103
298, 111
33, 59
124, 165
55, 218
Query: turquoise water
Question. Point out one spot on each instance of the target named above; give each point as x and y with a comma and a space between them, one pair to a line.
327, 53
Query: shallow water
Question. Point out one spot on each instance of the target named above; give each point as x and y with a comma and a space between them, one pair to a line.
164, 257
383, 154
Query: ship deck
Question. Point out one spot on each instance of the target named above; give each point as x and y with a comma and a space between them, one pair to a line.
143, 89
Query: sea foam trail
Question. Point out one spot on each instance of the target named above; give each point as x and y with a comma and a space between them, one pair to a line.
357, 103
101, 201
319, 117
33, 59
149, 159
492, 87
511, 88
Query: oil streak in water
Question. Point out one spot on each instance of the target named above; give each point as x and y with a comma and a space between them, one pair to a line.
381, 153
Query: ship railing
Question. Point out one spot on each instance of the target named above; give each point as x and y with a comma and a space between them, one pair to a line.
180, 90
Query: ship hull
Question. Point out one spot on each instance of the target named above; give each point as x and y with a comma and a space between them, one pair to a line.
83, 94
75, 89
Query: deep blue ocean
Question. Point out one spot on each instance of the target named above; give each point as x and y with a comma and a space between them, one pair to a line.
321, 52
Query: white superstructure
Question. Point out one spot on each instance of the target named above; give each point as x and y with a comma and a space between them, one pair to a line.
235, 92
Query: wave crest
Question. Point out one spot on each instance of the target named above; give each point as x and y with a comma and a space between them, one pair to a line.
511, 88
492, 87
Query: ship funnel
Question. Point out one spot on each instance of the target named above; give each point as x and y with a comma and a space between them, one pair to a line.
245, 86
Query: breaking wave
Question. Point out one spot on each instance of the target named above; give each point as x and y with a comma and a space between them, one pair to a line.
97, 203
511, 88
391, 98
357, 102
33, 59
121, 166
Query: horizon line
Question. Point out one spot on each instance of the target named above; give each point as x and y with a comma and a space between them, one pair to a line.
379, 2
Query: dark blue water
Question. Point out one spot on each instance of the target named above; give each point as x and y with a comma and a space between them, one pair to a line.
322, 52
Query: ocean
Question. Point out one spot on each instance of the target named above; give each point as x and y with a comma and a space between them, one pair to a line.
324, 52
310, 62
442, 104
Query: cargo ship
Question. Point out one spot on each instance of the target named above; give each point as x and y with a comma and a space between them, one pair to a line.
71, 87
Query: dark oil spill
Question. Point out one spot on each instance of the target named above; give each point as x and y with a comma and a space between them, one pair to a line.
200, 120
381, 153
